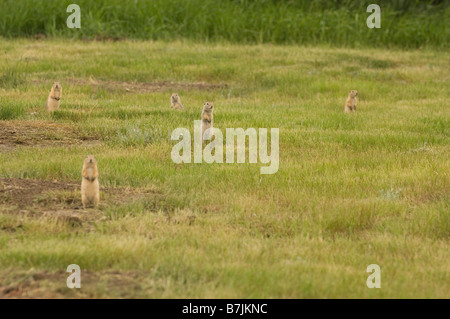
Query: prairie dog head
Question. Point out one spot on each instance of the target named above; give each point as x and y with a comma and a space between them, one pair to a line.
90, 162
208, 107
56, 91
353, 93
175, 98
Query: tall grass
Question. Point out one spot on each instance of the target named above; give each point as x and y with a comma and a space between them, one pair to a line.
406, 24
10, 111
12, 77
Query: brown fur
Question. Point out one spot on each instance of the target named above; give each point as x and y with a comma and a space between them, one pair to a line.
53, 100
176, 102
207, 118
350, 105
90, 188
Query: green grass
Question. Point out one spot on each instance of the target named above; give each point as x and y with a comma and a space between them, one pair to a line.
351, 190
12, 77
11, 111
405, 24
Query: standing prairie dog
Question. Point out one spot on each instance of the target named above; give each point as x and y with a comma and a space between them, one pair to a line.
176, 102
54, 97
90, 189
350, 105
207, 119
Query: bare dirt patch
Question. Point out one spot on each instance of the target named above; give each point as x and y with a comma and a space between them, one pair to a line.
22, 192
44, 198
39, 134
146, 87
62, 200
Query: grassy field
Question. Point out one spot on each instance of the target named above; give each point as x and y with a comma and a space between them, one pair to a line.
404, 23
352, 189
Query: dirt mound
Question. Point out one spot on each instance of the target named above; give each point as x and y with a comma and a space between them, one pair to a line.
39, 134
62, 200
44, 198
22, 192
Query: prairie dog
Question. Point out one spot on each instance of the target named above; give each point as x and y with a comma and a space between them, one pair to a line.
176, 102
350, 105
90, 189
207, 119
54, 97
